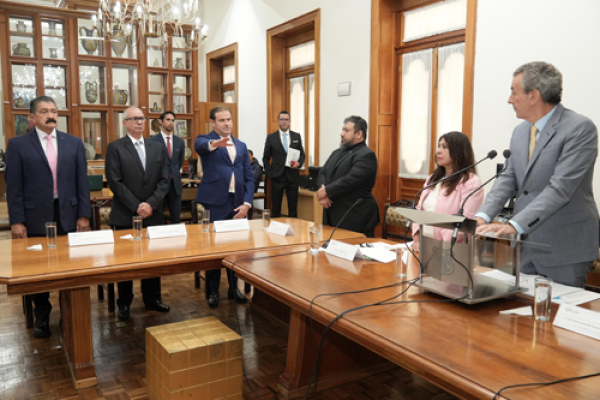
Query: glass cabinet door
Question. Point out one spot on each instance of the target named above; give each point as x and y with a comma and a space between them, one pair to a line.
92, 82
24, 85
22, 37
157, 92
90, 40
53, 40
55, 84
157, 55
125, 80
181, 56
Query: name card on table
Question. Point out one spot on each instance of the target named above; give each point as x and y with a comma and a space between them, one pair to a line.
166, 231
281, 229
343, 250
231, 225
92, 237
578, 320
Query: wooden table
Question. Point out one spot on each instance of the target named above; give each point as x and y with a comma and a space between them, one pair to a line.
74, 269
470, 351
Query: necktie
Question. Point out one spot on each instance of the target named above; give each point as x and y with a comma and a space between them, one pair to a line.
231, 151
169, 147
141, 154
285, 142
532, 139
52, 160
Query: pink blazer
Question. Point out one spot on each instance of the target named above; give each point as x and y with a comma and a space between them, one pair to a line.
450, 204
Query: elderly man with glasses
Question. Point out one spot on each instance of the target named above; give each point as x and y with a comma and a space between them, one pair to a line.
137, 171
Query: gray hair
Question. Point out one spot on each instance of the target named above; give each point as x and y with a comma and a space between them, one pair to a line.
542, 76
127, 111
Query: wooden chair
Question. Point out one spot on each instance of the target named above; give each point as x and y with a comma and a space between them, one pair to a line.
394, 224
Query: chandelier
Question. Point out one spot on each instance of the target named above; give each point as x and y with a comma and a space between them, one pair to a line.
135, 20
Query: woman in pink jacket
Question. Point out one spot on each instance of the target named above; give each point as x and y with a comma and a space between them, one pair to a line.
454, 153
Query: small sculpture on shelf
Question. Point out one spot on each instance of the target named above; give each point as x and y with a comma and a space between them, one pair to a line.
52, 28
21, 49
120, 97
156, 108
19, 101
21, 27
179, 63
155, 62
90, 45
118, 41
91, 92
53, 52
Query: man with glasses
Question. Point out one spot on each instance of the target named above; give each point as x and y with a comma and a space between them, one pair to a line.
176, 150
283, 176
46, 180
137, 172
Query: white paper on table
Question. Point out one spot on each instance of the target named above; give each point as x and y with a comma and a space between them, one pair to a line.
129, 236
166, 231
576, 298
35, 247
379, 254
103, 236
526, 311
292, 155
578, 320
231, 225
343, 250
501, 276
281, 229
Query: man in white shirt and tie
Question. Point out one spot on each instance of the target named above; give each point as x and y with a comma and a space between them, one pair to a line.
176, 150
283, 176
46, 180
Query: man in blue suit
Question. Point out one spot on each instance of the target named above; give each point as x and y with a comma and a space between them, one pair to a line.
227, 187
46, 180
176, 151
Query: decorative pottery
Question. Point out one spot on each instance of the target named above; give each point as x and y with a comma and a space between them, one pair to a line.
120, 97
155, 109
155, 62
20, 102
118, 41
179, 63
90, 45
91, 92
21, 27
52, 28
53, 52
21, 49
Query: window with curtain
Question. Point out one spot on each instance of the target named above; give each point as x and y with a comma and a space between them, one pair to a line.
431, 83
302, 55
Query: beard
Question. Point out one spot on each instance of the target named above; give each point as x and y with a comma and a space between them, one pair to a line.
344, 146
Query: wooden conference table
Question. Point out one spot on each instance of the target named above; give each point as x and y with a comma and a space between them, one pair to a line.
74, 269
470, 351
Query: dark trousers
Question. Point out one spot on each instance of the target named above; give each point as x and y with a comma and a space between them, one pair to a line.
278, 185
41, 300
220, 213
173, 201
150, 286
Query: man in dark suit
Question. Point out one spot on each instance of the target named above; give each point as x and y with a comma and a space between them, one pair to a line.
46, 180
227, 187
283, 177
176, 151
349, 175
137, 172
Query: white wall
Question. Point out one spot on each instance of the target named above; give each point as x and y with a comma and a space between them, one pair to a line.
345, 56
513, 32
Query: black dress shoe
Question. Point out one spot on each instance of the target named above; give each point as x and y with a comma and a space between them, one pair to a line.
123, 313
213, 300
156, 305
236, 295
41, 329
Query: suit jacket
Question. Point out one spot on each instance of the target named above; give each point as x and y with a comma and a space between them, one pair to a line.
176, 161
555, 201
132, 185
276, 168
451, 203
217, 167
349, 175
30, 187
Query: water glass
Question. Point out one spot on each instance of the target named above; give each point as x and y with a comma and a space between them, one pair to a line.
314, 238
543, 298
266, 214
206, 221
137, 227
51, 234
401, 262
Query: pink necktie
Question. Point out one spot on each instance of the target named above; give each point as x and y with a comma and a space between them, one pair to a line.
231, 151
52, 160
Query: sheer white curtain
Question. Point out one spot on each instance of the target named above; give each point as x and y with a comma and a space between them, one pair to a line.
415, 114
229, 96
445, 16
451, 72
297, 105
302, 55
228, 74
311, 122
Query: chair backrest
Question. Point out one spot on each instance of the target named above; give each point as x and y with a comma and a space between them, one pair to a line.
197, 212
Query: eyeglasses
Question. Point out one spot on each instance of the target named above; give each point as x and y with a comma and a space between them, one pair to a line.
135, 119
284, 119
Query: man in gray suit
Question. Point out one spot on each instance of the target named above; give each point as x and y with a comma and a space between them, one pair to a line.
551, 169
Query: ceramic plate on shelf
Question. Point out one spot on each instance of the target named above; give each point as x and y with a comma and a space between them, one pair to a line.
188, 152
90, 152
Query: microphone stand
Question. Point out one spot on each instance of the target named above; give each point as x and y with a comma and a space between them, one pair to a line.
358, 201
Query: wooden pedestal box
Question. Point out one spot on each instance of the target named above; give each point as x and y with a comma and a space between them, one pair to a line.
200, 359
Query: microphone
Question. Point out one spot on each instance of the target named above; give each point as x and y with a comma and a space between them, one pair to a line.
490, 156
506, 154
358, 201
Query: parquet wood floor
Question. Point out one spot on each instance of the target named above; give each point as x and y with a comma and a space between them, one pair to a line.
36, 369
